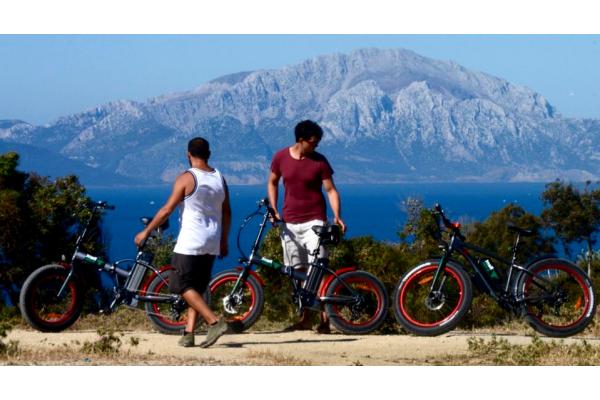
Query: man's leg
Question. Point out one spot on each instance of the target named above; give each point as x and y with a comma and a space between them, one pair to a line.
198, 306
310, 241
216, 327
292, 257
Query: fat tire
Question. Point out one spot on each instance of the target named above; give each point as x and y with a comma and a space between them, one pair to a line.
164, 325
453, 319
381, 307
581, 277
30, 289
257, 299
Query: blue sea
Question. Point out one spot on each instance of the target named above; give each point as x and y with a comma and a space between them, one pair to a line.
374, 210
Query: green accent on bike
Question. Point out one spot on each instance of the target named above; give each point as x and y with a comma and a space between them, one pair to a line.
271, 263
489, 268
93, 260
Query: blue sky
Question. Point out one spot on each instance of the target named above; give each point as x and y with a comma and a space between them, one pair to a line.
43, 77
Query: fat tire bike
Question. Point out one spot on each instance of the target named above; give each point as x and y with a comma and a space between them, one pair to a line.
355, 301
52, 296
553, 295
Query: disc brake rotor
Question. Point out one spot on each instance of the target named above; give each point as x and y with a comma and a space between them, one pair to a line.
230, 303
435, 301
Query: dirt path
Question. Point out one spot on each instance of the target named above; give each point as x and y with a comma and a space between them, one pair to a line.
268, 348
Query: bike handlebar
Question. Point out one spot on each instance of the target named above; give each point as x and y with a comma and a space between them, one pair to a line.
453, 226
264, 202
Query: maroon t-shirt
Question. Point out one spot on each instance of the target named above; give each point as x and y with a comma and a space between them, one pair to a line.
302, 179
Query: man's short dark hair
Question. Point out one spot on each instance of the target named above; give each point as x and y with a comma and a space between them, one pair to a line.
198, 147
307, 129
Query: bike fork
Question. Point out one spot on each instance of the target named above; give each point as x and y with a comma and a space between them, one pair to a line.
65, 283
239, 281
438, 271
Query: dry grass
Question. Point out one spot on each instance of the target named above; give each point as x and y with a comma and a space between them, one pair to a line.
267, 357
539, 352
72, 355
124, 319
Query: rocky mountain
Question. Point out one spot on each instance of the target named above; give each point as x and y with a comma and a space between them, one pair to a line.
49, 163
389, 116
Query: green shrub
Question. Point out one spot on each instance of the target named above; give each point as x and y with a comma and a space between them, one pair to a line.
538, 352
39, 218
107, 343
12, 347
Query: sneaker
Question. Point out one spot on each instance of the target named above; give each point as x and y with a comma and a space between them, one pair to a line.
298, 326
187, 340
214, 333
324, 328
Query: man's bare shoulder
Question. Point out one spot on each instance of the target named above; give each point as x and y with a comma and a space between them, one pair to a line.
184, 177
185, 182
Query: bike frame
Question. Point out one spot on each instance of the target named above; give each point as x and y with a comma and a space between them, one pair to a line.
129, 291
507, 295
254, 259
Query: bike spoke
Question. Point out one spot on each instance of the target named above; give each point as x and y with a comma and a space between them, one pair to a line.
555, 297
168, 312
360, 307
234, 305
427, 308
51, 308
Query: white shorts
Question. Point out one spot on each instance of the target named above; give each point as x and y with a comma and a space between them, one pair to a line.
298, 242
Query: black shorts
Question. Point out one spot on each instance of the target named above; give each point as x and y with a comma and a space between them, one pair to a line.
191, 272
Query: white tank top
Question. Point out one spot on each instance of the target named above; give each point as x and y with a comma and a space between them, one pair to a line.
201, 215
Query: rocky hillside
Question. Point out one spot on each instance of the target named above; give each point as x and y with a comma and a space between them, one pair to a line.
389, 116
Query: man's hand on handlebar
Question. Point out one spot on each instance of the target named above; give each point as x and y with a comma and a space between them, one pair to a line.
141, 237
338, 221
274, 216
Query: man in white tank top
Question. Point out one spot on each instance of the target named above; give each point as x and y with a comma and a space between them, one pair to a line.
205, 221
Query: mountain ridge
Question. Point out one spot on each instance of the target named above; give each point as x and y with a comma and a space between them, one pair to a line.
389, 115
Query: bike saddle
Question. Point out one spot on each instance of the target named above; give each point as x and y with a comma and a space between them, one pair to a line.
329, 234
524, 232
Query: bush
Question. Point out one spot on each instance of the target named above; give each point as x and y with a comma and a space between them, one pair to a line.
108, 343
10, 348
39, 218
278, 288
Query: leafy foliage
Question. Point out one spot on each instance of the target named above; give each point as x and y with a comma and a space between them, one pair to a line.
493, 234
420, 232
538, 352
161, 246
10, 348
574, 215
107, 343
39, 219
278, 288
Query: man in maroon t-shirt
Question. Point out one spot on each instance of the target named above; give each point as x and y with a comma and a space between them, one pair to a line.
304, 173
